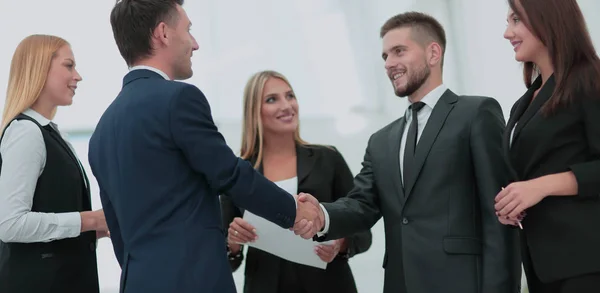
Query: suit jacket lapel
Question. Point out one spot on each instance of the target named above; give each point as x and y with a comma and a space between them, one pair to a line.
508, 131
430, 132
305, 160
395, 137
533, 107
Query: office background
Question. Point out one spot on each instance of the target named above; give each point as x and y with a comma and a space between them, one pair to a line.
329, 49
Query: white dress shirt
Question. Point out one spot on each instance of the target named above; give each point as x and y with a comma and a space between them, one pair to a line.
430, 101
151, 69
512, 135
23, 153
423, 115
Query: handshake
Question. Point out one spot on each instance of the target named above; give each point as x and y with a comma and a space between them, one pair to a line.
310, 218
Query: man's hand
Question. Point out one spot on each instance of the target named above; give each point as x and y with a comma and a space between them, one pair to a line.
309, 216
328, 252
306, 197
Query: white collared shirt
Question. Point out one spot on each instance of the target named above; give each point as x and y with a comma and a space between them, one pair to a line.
430, 101
23, 152
164, 75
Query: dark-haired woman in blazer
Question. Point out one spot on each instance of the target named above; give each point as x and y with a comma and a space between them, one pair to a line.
271, 142
552, 143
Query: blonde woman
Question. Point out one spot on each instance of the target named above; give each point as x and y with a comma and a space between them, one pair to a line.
272, 143
48, 232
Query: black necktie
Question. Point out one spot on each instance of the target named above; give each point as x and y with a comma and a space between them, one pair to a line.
411, 140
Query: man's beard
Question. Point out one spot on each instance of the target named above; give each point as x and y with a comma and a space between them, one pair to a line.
415, 81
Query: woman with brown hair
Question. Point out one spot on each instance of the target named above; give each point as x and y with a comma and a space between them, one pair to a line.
552, 144
271, 142
48, 232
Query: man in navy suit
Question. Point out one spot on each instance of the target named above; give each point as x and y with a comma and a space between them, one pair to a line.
161, 163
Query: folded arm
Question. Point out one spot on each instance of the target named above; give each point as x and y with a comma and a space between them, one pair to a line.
501, 263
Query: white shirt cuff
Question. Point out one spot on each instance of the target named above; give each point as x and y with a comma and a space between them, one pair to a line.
69, 225
326, 228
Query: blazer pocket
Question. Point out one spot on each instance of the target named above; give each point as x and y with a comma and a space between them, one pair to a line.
462, 245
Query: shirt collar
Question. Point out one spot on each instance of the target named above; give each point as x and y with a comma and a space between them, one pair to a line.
164, 75
433, 96
37, 117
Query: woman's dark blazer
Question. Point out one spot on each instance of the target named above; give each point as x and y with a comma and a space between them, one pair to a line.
322, 172
561, 233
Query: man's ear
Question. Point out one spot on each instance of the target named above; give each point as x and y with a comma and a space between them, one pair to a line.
434, 54
160, 34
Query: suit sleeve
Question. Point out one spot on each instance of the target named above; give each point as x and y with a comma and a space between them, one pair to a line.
229, 212
359, 210
361, 241
196, 135
113, 227
501, 263
586, 174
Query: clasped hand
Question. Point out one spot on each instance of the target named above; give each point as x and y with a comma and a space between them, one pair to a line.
513, 200
310, 219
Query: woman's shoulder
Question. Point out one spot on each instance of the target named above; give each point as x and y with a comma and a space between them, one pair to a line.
322, 149
22, 128
22, 136
319, 147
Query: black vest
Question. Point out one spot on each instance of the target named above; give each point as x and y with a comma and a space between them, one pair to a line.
67, 265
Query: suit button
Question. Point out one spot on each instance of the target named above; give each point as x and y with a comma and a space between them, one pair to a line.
404, 221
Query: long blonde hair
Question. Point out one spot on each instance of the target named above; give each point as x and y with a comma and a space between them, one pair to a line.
252, 129
28, 73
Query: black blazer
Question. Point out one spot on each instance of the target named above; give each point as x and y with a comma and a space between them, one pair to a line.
441, 231
561, 233
322, 172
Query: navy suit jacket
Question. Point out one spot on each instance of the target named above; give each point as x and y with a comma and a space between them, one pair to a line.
161, 163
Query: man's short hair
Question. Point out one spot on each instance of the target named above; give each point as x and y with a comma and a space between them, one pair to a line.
425, 29
134, 21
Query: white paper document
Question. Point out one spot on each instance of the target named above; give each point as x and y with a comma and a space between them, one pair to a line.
284, 243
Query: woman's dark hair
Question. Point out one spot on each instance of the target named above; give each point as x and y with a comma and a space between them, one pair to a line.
561, 27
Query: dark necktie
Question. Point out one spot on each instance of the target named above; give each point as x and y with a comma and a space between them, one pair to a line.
411, 140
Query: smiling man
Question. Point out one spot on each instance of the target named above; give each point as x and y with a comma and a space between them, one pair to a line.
432, 175
161, 163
